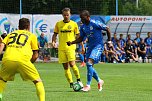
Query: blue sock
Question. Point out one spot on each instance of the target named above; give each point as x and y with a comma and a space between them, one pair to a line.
90, 71
81, 57
95, 75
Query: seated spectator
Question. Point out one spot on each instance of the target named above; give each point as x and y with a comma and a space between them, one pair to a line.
110, 53
131, 52
141, 50
42, 42
120, 51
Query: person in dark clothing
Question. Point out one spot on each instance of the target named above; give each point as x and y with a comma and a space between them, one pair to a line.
131, 52
141, 50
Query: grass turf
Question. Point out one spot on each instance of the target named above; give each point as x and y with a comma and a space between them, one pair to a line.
123, 82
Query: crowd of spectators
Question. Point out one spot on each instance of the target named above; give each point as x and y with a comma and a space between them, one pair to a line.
125, 50
119, 50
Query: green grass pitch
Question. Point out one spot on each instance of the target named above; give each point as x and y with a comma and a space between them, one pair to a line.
123, 82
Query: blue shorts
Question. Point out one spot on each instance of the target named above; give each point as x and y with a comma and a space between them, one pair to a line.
94, 53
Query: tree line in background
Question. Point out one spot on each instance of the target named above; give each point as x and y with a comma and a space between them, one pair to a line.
96, 7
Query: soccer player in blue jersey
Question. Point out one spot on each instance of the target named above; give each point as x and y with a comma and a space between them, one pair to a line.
92, 31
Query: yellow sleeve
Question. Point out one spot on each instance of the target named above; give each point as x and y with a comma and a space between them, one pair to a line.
76, 30
56, 28
34, 43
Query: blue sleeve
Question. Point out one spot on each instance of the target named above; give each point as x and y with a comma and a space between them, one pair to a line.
100, 26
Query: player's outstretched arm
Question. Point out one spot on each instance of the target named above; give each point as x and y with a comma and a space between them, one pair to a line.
78, 40
34, 56
109, 34
54, 39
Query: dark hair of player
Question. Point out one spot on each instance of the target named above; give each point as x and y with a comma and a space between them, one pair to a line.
85, 13
24, 23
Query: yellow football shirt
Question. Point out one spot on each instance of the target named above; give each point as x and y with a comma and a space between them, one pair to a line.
66, 32
19, 46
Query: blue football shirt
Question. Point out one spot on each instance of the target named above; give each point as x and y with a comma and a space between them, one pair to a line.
93, 31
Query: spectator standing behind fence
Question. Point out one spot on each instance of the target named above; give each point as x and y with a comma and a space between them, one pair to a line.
148, 42
67, 30
114, 39
93, 31
128, 39
137, 40
121, 44
122, 41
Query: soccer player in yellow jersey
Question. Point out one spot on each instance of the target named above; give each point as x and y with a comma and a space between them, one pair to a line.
21, 51
67, 30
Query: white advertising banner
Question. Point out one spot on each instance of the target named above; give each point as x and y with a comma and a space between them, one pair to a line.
8, 22
131, 19
39, 23
45, 23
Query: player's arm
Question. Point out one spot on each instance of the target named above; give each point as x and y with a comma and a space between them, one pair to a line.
108, 33
34, 47
54, 39
104, 27
83, 49
39, 42
78, 40
34, 56
56, 30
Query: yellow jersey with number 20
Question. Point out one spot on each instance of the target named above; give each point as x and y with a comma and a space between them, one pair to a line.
19, 46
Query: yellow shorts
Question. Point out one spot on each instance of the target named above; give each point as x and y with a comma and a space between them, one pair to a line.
10, 68
66, 56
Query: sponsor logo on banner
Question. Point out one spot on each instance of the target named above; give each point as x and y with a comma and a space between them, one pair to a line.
131, 19
6, 25
40, 27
